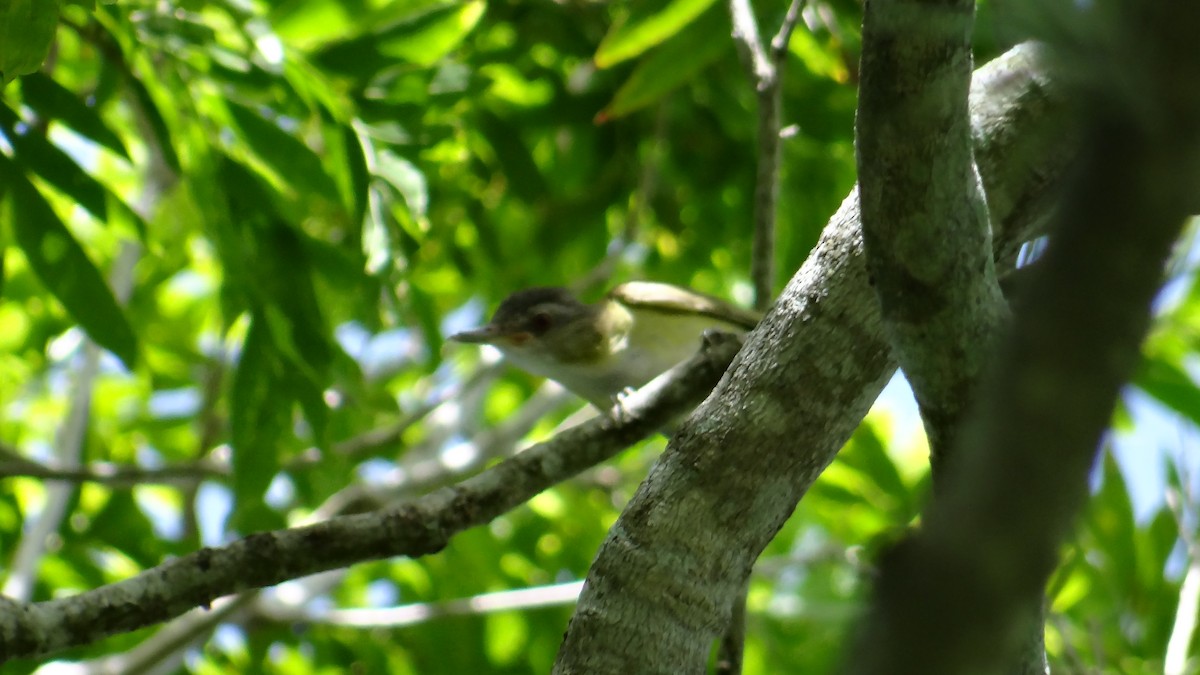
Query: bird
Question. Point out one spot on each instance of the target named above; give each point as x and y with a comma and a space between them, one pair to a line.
639, 330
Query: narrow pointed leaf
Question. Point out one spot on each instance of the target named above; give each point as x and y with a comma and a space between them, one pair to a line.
61, 264
649, 25
53, 101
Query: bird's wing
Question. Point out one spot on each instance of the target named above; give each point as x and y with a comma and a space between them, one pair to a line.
670, 298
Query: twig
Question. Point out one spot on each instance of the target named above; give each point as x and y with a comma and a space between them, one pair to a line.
766, 70
408, 615
1182, 505
113, 475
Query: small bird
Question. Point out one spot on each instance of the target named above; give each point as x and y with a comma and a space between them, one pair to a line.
639, 330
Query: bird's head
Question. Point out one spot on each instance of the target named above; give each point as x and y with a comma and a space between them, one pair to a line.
547, 327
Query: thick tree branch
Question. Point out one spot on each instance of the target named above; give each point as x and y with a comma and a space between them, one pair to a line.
925, 220
662, 585
957, 597
412, 528
765, 65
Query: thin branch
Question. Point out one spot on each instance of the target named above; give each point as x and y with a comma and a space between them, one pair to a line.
766, 72
371, 441
420, 612
69, 442
1183, 507
413, 528
417, 478
166, 646
115, 475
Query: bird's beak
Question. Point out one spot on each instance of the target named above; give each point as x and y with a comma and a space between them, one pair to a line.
485, 335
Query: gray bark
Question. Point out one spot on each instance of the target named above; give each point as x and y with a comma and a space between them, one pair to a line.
960, 597
925, 223
664, 580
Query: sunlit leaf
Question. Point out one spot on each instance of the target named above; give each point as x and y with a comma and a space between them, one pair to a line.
649, 24
26, 33
63, 267
285, 154
429, 38
59, 169
1170, 384
54, 101
422, 39
672, 64
163, 137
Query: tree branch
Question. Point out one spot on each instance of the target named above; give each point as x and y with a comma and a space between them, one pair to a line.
113, 475
412, 528
925, 229
664, 580
766, 71
957, 597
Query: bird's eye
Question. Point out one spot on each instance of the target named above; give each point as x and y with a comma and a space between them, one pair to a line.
540, 323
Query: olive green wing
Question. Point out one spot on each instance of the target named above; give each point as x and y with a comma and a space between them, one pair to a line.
673, 299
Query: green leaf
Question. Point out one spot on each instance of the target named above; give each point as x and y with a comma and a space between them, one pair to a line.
54, 101
524, 178
57, 168
647, 26
157, 124
422, 39
353, 180
35, 153
277, 280
259, 415
426, 40
26, 33
867, 454
1171, 385
307, 23
287, 156
672, 64
63, 267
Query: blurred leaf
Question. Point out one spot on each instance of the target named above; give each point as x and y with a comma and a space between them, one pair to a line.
291, 159
524, 178
817, 58
305, 23
1171, 385
649, 24
674, 63
54, 101
59, 169
426, 40
26, 33
258, 417
422, 39
63, 267
163, 137
44, 158
356, 177
867, 454
277, 282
